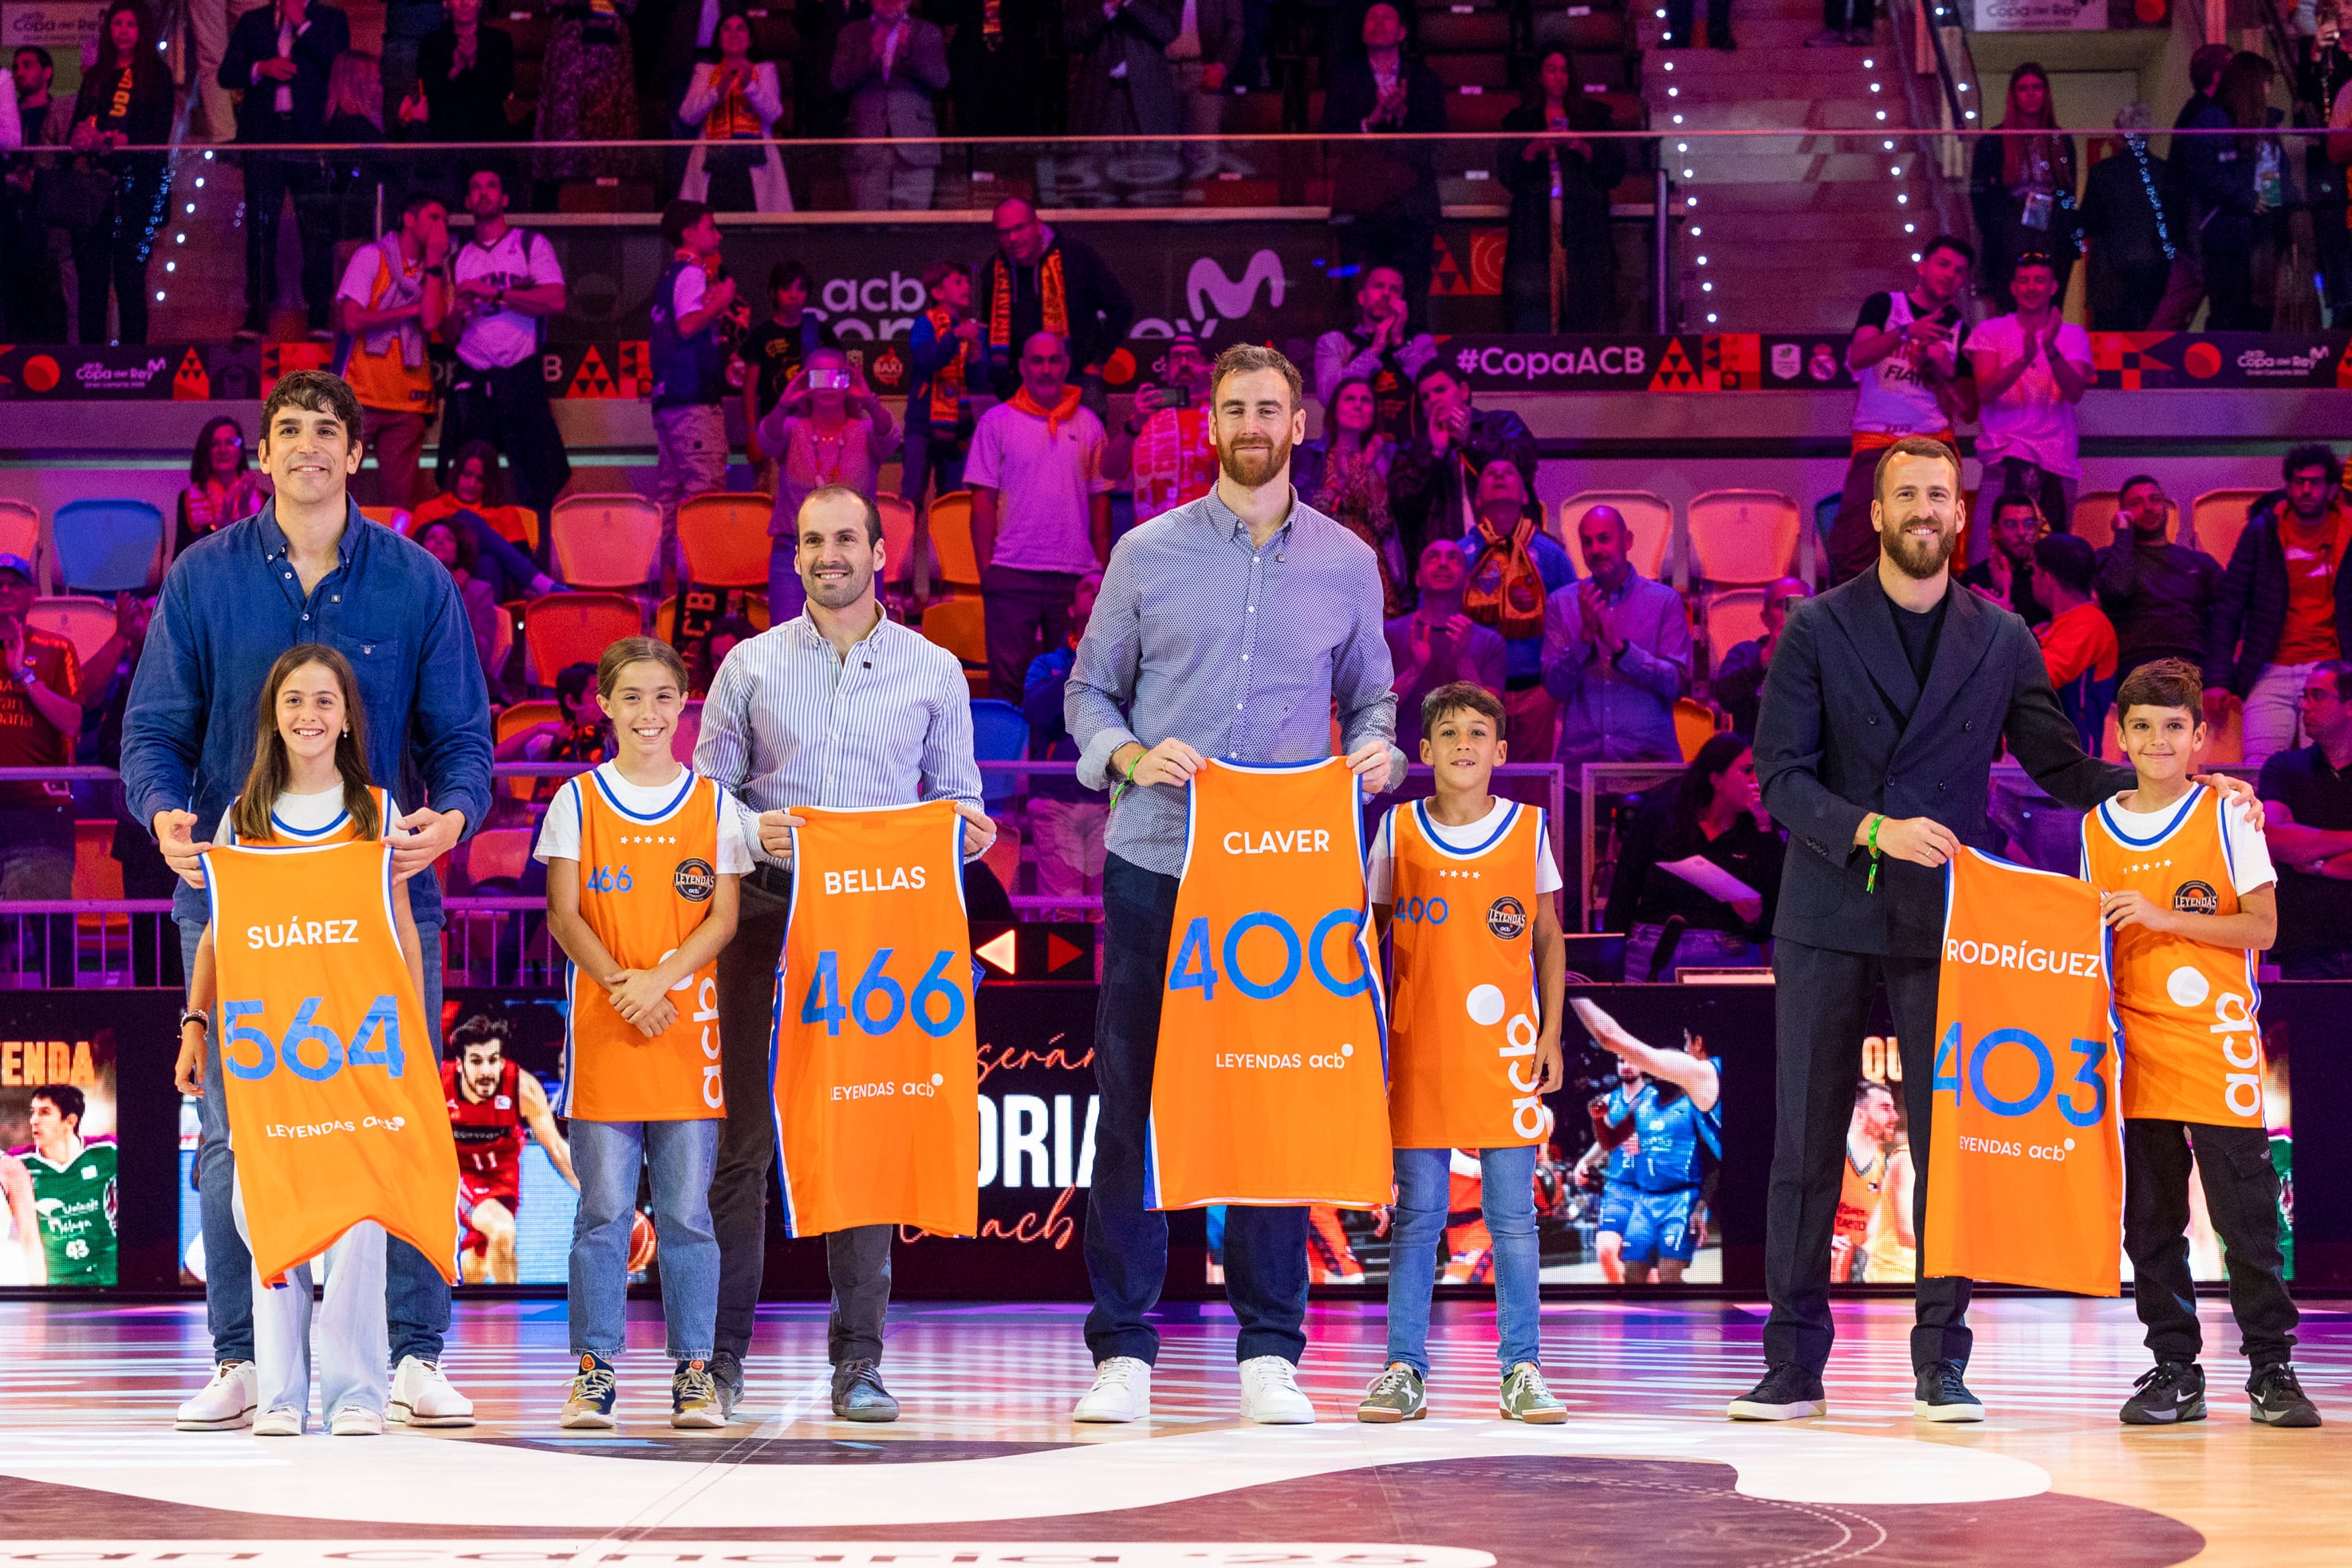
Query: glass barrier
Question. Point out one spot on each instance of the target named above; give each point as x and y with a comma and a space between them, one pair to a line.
1649, 227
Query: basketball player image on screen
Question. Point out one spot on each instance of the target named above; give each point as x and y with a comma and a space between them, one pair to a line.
1873, 1242
73, 1188
1679, 1119
492, 1099
1608, 1163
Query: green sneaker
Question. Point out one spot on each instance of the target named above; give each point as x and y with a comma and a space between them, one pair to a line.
1395, 1395
590, 1404
1526, 1398
693, 1397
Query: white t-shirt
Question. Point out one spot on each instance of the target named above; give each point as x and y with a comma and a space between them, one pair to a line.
2250, 855
559, 831
2032, 419
306, 816
521, 259
1044, 515
1379, 875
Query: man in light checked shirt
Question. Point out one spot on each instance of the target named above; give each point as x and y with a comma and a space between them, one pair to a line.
839, 706
1226, 627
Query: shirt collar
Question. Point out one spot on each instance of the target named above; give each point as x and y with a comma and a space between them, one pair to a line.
1228, 524
1632, 575
805, 629
274, 544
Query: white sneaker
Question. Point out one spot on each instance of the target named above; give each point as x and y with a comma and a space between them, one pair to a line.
352, 1421
1271, 1396
421, 1397
282, 1421
1122, 1392
225, 1403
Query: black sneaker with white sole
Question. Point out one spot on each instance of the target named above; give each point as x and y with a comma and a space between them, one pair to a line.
1942, 1396
2168, 1392
1787, 1394
727, 1376
2278, 1398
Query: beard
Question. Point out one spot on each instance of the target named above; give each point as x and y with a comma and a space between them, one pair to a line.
1917, 560
837, 592
1254, 466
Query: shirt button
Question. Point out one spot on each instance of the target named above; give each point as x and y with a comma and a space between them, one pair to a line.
1237, 707
1244, 658
1252, 609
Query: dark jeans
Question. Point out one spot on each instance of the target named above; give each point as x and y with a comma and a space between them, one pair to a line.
1822, 1010
508, 407
113, 252
1126, 1245
2241, 1194
32, 294
415, 1297
269, 178
1719, 21
2125, 299
857, 1259
2230, 286
1027, 612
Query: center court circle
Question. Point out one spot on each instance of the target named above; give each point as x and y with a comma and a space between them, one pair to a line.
1487, 1004
2187, 986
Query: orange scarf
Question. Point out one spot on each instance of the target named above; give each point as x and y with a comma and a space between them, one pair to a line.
1066, 405
948, 382
1506, 590
1055, 305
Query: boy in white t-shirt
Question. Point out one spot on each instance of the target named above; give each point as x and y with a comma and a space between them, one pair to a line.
2031, 368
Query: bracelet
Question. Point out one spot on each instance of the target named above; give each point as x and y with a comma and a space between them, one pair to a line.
1121, 789
1870, 884
190, 1016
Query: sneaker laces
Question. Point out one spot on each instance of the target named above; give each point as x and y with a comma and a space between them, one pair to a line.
1278, 1372
1944, 1379
1119, 1372
2272, 1381
1397, 1379
595, 1382
1526, 1379
694, 1383
2163, 1374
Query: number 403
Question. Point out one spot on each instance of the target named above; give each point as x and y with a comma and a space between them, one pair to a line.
2084, 1105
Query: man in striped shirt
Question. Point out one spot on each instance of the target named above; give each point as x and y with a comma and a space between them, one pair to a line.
1226, 627
840, 706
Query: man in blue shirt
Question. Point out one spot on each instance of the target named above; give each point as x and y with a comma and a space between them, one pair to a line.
1679, 1120
1228, 627
308, 568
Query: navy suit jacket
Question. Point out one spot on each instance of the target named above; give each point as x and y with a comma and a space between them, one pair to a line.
325, 33
1845, 730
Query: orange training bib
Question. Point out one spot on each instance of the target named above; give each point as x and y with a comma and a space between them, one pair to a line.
334, 1108
877, 1082
1462, 1050
1269, 1086
2192, 1051
645, 883
2025, 1179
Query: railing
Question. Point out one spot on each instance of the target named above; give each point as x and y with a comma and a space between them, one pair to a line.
500, 939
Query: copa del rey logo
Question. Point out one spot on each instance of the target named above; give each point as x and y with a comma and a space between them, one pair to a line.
97, 377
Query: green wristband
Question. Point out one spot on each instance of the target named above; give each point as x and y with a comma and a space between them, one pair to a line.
1870, 884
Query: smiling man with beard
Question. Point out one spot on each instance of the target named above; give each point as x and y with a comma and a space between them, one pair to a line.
1226, 627
1887, 700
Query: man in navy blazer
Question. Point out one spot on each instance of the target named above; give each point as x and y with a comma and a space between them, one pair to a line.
278, 59
1887, 700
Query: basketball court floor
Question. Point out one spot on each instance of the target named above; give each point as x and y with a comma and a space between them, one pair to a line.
986, 1468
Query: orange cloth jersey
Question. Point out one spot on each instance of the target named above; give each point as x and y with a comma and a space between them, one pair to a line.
645, 883
1858, 1196
333, 1106
283, 835
2026, 1155
874, 1050
1462, 1062
2192, 1051
1269, 1087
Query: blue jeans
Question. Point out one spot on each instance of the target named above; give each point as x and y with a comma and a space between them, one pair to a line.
1126, 1243
1507, 1196
415, 1297
607, 1156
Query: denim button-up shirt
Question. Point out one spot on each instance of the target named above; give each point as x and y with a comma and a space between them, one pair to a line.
232, 604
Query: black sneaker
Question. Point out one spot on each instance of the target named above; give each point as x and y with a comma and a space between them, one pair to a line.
1942, 1396
727, 1376
2168, 1392
254, 325
858, 1393
1787, 1394
2278, 1398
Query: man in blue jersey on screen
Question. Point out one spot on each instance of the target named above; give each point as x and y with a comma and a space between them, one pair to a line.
1678, 1119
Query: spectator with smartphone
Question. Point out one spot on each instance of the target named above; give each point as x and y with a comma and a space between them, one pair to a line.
772, 354
1379, 349
828, 429
1173, 461
1041, 476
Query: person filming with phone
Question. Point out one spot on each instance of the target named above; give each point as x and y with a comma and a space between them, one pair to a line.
828, 428
1173, 460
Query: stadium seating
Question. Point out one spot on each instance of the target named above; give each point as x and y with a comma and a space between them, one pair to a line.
1742, 538
1731, 616
108, 546
512, 721
20, 535
607, 541
999, 733
2217, 518
957, 626
725, 537
561, 629
81, 620
1650, 517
